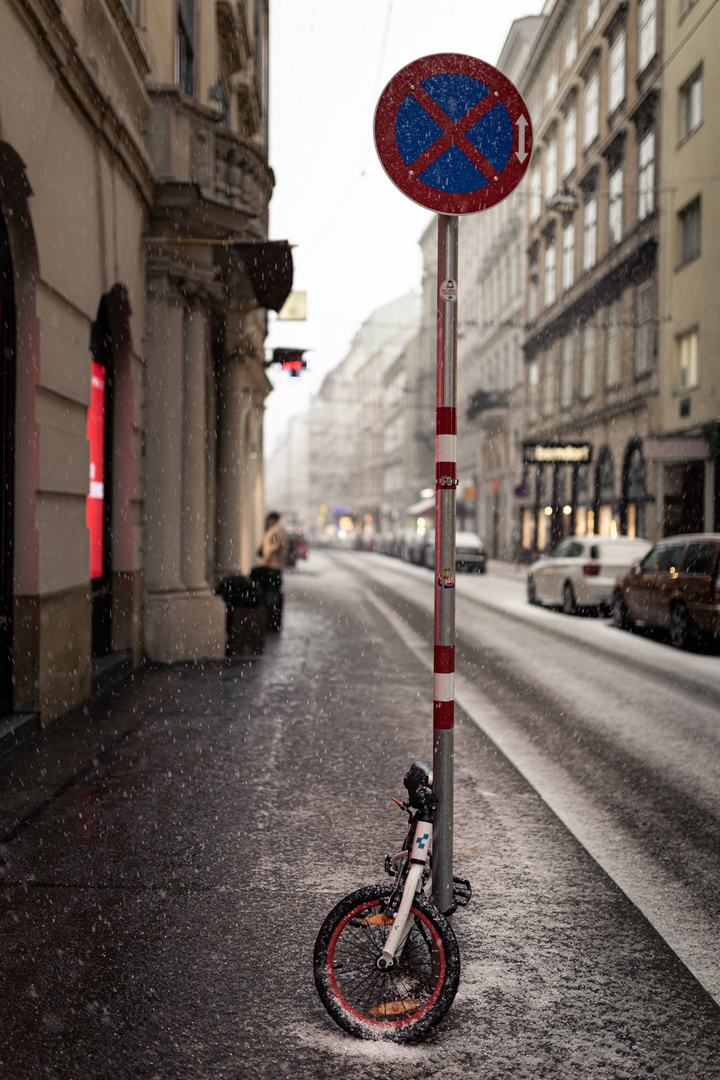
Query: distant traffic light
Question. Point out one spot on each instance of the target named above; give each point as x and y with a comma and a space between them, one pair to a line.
290, 360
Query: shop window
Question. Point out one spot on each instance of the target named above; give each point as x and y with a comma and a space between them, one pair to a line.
635, 492
689, 232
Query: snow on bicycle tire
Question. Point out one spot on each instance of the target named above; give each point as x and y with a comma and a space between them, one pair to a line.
402, 1002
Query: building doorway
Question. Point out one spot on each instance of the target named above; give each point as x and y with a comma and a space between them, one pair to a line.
684, 509
99, 499
7, 467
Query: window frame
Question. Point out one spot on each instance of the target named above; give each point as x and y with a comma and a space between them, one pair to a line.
615, 205
689, 101
644, 337
590, 224
693, 367
617, 56
647, 32
591, 109
689, 234
646, 192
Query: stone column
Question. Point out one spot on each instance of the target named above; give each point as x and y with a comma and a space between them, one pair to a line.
194, 503
231, 470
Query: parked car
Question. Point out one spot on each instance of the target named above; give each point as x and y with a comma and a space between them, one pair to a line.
297, 547
470, 553
676, 587
582, 570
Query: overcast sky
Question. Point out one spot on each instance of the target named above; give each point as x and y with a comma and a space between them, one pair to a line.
356, 234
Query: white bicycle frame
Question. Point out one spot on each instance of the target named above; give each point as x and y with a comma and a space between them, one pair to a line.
419, 858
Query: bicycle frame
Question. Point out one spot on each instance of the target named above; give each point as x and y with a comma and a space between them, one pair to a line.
418, 861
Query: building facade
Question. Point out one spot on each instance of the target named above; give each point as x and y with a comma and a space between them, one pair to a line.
133, 216
591, 372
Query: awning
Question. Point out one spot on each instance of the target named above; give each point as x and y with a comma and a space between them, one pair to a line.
424, 508
269, 266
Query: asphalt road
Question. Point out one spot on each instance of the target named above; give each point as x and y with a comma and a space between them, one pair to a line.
166, 871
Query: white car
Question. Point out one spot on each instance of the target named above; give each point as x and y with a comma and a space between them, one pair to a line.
470, 552
582, 570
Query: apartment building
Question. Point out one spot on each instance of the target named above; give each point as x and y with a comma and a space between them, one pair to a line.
594, 210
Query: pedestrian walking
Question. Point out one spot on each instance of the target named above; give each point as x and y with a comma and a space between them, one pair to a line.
275, 544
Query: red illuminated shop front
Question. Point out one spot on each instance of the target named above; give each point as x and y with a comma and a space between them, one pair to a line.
95, 515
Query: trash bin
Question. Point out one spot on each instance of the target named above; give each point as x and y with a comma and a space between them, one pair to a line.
246, 616
269, 582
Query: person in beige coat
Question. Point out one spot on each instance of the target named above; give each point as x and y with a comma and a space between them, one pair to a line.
275, 543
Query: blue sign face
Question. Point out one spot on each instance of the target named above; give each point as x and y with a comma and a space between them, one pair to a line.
457, 96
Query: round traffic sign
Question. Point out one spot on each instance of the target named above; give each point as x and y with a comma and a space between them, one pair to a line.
453, 133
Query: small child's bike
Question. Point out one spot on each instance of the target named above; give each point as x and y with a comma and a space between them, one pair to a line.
387, 964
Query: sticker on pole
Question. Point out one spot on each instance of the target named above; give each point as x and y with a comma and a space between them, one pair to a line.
453, 133
448, 291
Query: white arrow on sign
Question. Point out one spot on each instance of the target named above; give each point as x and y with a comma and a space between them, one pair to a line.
520, 153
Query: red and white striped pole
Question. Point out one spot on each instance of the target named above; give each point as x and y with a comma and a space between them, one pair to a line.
445, 495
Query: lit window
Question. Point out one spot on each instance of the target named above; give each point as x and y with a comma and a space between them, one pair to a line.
590, 234
592, 10
691, 105
568, 257
646, 175
613, 342
588, 360
689, 221
644, 327
647, 32
535, 193
551, 169
616, 90
571, 46
592, 109
549, 274
566, 373
552, 81
569, 142
548, 397
615, 206
687, 347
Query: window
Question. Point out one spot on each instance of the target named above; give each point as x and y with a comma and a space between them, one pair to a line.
592, 109
615, 207
566, 372
592, 10
533, 379
687, 347
644, 328
691, 105
534, 295
185, 47
613, 342
571, 46
550, 274
552, 81
551, 169
588, 360
568, 256
699, 558
647, 32
569, 142
548, 399
590, 234
689, 222
646, 175
616, 89
535, 194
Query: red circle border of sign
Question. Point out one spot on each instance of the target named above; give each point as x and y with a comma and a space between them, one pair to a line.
392, 97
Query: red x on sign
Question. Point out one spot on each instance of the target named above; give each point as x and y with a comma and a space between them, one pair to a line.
453, 133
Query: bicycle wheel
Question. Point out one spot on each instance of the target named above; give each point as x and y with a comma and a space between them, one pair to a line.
401, 1002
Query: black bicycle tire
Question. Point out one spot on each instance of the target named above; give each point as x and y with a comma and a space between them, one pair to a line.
411, 1026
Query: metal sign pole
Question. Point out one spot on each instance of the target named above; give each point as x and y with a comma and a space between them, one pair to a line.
445, 485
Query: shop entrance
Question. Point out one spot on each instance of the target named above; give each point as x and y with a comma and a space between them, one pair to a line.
684, 510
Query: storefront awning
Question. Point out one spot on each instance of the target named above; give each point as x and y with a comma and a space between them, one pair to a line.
424, 508
269, 266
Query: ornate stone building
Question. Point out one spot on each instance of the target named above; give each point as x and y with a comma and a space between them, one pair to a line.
134, 269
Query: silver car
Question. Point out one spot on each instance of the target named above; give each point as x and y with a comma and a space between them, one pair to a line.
582, 570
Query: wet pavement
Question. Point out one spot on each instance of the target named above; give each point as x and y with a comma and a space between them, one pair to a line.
170, 853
